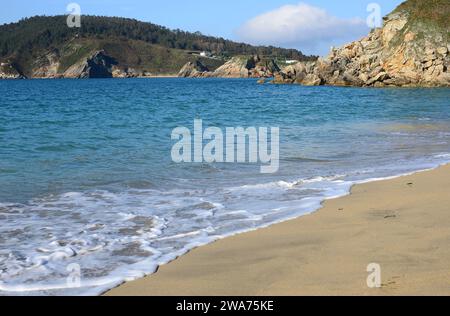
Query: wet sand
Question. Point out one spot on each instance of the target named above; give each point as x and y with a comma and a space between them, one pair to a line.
401, 224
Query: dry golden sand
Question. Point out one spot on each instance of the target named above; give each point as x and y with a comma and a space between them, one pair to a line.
402, 224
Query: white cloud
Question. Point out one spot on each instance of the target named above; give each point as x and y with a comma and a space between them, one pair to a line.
301, 26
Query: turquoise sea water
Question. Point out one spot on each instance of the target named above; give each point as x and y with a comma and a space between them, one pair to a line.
86, 175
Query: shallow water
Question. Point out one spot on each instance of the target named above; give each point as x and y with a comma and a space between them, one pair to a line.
86, 175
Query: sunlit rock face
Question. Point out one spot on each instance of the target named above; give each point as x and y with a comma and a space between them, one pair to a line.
406, 51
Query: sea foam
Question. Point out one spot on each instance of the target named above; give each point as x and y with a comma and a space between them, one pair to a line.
121, 236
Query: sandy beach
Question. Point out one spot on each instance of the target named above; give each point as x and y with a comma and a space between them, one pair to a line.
401, 224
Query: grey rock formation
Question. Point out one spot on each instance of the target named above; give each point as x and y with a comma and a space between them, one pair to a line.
47, 66
194, 69
97, 65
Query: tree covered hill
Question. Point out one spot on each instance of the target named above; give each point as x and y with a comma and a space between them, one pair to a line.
43, 31
132, 43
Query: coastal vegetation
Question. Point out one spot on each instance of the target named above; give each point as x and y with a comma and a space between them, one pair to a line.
35, 45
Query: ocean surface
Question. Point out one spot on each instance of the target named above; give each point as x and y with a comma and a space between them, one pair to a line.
90, 197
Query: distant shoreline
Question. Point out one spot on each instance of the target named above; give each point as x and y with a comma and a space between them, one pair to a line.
269, 81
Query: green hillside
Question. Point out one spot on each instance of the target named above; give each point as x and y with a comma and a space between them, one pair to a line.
133, 44
436, 12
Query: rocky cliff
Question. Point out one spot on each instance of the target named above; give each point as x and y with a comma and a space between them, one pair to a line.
236, 67
98, 65
194, 69
411, 49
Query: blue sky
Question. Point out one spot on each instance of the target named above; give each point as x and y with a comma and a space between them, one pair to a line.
232, 19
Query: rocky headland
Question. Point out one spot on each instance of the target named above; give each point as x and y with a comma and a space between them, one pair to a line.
411, 49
